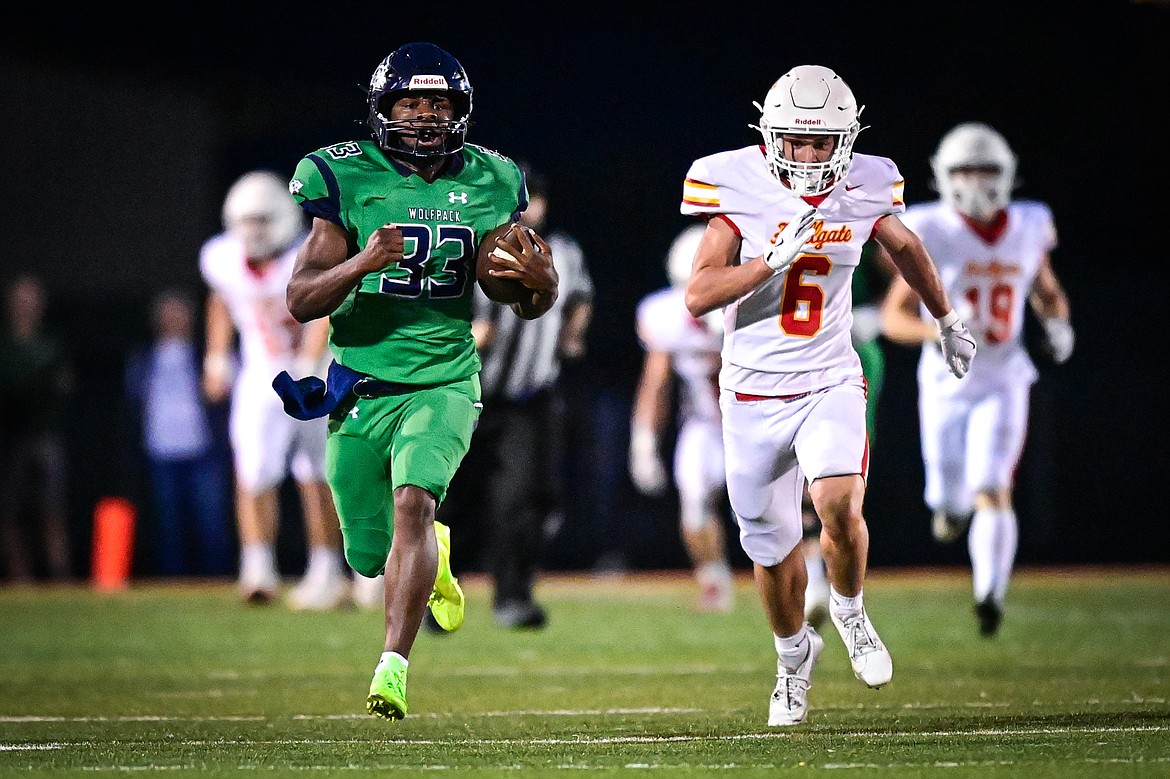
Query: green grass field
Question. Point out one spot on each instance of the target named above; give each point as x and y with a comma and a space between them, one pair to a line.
626, 681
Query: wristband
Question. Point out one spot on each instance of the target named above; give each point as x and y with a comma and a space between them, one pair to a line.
948, 319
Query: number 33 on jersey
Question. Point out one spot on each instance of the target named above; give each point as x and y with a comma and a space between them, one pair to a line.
417, 310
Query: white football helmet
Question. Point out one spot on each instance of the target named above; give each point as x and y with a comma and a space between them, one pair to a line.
809, 100
260, 212
681, 256
974, 145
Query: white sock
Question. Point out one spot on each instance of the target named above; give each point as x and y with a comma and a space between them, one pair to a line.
388, 656
324, 560
814, 564
717, 572
982, 541
1005, 551
259, 554
792, 650
843, 604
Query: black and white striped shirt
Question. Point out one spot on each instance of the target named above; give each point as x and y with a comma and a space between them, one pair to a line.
521, 359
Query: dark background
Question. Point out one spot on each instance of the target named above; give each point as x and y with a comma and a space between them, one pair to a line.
122, 132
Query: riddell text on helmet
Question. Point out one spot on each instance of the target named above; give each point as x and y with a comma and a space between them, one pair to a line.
423, 82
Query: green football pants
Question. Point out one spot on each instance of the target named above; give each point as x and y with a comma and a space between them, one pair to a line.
377, 445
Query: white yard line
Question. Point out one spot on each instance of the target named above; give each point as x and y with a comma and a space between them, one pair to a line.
914, 706
589, 740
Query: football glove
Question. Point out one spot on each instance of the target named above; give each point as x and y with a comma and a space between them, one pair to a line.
958, 345
1059, 335
867, 324
782, 251
646, 468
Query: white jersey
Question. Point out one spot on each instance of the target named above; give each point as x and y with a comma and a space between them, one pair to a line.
791, 334
255, 298
989, 277
267, 443
665, 325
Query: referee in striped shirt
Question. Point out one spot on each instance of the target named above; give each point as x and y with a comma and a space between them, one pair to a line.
513, 476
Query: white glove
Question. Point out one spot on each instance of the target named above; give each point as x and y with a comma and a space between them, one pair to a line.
958, 345
1059, 334
790, 241
867, 324
646, 469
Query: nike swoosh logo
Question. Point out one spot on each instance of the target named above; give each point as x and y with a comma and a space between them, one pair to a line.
851, 188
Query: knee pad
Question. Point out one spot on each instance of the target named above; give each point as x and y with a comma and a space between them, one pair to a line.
366, 550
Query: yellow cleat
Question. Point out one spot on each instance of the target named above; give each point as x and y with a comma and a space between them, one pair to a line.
387, 697
446, 601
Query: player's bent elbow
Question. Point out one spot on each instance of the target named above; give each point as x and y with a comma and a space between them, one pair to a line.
300, 308
697, 304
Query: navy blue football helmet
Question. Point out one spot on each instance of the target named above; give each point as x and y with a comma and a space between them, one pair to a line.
419, 68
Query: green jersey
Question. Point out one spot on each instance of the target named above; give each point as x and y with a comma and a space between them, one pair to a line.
411, 322
865, 281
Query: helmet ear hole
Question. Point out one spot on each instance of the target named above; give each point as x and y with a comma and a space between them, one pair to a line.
385, 104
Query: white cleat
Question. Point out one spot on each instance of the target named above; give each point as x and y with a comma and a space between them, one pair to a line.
789, 704
869, 657
257, 584
716, 597
369, 593
319, 593
816, 604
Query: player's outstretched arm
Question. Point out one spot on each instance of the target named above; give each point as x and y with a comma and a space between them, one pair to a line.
649, 418
324, 273
901, 322
217, 360
919, 271
1048, 299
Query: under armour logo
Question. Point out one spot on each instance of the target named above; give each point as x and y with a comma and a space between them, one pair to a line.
461, 197
353, 412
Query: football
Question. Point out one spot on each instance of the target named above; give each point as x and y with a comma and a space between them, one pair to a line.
501, 290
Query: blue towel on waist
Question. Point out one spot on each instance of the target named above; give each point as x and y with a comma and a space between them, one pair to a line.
310, 397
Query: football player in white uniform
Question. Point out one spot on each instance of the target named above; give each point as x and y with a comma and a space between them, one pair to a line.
678, 344
993, 255
785, 225
247, 268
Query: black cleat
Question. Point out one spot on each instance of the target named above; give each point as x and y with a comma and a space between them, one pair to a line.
990, 615
520, 615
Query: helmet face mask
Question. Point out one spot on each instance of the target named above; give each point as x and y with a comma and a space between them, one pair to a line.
974, 170
809, 100
420, 70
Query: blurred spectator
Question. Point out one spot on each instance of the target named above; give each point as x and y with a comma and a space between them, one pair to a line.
516, 456
189, 477
36, 380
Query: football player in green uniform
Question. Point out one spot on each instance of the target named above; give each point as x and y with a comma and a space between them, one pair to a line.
402, 229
